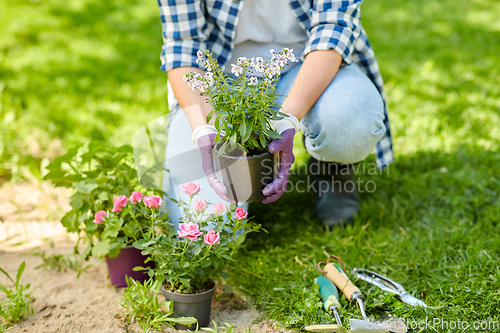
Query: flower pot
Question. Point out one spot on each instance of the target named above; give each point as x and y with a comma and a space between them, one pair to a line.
191, 305
246, 176
124, 264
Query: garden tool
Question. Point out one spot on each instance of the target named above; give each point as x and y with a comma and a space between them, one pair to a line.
352, 293
330, 296
388, 285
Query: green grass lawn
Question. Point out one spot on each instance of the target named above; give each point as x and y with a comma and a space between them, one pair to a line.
88, 70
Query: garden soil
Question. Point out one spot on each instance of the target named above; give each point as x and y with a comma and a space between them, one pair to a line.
29, 226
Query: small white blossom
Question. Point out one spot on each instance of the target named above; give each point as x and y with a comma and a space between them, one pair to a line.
200, 55
289, 54
253, 81
242, 61
236, 70
272, 69
259, 64
209, 79
281, 60
273, 53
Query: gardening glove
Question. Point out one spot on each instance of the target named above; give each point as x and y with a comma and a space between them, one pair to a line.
204, 136
287, 128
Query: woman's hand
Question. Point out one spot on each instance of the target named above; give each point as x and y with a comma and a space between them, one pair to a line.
204, 137
287, 128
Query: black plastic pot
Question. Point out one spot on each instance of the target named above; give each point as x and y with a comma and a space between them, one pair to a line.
191, 305
245, 176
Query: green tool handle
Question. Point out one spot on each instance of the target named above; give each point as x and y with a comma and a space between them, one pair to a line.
328, 292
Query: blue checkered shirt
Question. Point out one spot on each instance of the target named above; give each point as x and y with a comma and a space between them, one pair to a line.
192, 25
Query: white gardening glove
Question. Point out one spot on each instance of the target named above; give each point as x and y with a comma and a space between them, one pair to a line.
201, 131
286, 123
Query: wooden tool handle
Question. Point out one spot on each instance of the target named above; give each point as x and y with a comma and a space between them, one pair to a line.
337, 276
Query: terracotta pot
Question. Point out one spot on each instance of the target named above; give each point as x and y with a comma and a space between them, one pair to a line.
124, 264
191, 305
245, 177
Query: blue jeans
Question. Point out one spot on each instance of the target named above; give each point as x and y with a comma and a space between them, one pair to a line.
343, 126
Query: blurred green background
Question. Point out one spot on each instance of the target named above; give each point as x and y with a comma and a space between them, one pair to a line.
76, 71
85, 70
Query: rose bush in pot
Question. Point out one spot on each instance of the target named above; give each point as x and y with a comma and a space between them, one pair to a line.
104, 205
246, 117
189, 258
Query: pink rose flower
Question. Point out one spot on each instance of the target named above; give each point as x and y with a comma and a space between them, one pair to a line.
240, 214
136, 197
153, 201
219, 208
99, 217
191, 188
121, 201
189, 230
211, 238
200, 206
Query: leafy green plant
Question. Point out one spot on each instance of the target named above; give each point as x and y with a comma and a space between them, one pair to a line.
185, 259
244, 106
141, 304
62, 262
17, 303
100, 176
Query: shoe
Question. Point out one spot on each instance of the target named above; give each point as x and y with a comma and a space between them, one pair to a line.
335, 194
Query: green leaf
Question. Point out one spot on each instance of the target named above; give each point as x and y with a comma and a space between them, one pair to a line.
139, 268
262, 139
84, 187
183, 320
85, 254
69, 221
103, 196
248, 133
185, 283
6, 274
196, 250
101, 248
210, 115
243, 127
114, 250
272, 134
240, 240
66, 158
76, 201
20, 272
232, 139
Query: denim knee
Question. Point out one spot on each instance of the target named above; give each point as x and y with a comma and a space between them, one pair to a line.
331, 146
345, 129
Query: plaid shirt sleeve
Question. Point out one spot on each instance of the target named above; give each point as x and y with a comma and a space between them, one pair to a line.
182, 24
334, 24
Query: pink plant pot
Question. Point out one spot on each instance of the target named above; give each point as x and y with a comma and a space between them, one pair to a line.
124, 264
